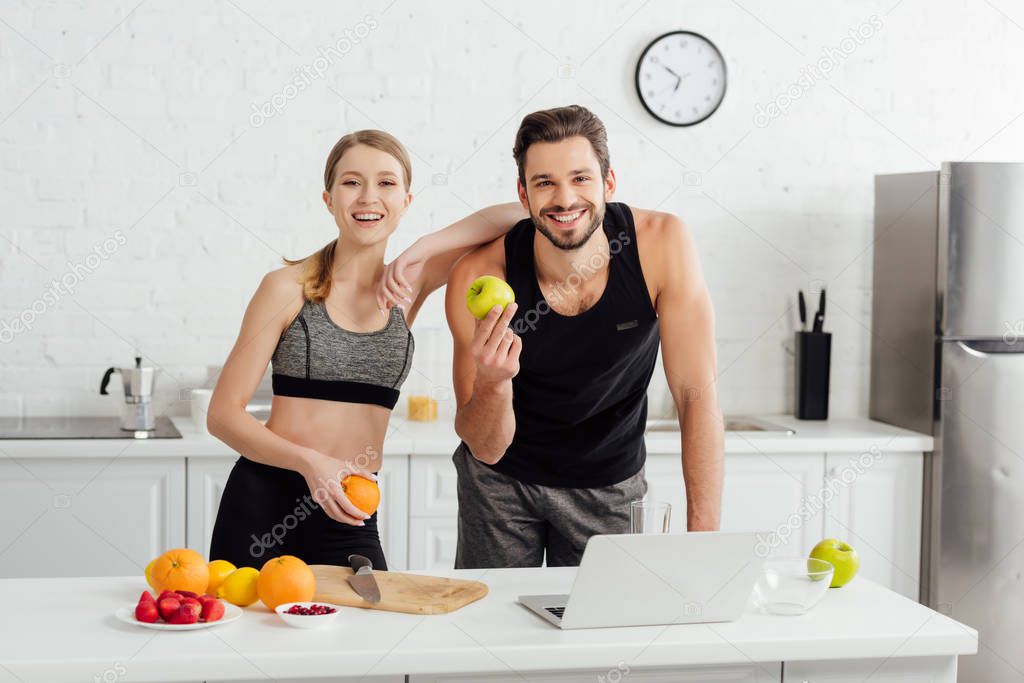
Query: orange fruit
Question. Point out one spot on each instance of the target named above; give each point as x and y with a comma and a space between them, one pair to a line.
285, 579
219, 570
181, 569
364, 493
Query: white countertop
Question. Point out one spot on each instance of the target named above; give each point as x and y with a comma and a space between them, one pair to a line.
838, 435
64, 629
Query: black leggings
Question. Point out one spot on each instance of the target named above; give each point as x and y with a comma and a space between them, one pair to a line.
268, 511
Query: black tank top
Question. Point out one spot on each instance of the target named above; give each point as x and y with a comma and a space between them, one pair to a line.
580, 398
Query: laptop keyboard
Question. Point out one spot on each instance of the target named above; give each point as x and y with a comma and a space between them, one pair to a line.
557, 611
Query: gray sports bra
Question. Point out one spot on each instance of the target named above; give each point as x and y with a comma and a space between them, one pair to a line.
317, 359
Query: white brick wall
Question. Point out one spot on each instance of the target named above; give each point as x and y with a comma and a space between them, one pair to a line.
120, 119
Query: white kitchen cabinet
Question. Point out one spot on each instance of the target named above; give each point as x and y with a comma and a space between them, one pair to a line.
208, 475
748, 673
433, 512
775, 492
876, 507
432, 542
890, 670
760, 493
435, 493
393, 518
101, 516
89, 516
206, 480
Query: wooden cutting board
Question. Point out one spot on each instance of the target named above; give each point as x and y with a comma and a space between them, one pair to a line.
410, 593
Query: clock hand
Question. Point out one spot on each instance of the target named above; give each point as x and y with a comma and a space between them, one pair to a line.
678, 78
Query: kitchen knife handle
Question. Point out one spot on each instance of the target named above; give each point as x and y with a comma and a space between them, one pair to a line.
357, 562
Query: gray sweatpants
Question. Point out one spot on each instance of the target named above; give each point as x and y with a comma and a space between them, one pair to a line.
506, 523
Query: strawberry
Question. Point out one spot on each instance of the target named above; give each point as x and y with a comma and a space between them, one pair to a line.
187, 594
192, 601
146, 597
167, 607
146, 611
186, 614
213, 610
168, 594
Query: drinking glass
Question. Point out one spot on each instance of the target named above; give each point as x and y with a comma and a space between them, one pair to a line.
649, 517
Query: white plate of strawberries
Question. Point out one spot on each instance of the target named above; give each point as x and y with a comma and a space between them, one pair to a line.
178, 611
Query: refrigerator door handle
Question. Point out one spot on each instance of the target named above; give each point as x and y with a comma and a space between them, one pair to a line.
984, 348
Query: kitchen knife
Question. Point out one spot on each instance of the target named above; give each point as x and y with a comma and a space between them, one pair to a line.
803, 310
362, 581
819, 317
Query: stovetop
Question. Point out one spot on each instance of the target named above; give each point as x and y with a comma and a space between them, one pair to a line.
81, 428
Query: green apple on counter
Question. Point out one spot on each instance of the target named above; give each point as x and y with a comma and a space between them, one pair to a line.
841, 556
485, 293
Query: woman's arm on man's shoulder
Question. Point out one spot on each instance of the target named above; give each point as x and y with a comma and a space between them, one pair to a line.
424, 267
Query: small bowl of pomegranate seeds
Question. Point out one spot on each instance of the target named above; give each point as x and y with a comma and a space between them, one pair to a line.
307, 614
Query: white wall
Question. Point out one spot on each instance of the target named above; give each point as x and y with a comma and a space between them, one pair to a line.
137, 126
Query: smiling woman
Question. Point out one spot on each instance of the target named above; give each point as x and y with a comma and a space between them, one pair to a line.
336, 370
361, 188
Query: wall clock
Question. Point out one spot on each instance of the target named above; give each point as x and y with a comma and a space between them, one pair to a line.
680, 78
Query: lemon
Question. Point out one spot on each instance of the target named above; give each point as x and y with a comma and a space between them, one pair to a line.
149, 574
239, 588
219, 570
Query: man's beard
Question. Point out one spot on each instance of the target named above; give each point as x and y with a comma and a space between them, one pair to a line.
566, 242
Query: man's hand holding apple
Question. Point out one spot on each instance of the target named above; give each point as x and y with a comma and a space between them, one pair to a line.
496, 348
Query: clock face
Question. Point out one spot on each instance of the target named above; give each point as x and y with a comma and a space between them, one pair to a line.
681, 78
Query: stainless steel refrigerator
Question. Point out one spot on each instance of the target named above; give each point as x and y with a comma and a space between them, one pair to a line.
947, 358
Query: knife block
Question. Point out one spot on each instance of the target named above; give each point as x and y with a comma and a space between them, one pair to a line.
813, 363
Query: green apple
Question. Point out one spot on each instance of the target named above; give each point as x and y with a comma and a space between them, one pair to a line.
485, 293
840, 555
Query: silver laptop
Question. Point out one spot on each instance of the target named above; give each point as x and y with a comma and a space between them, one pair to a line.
654, 579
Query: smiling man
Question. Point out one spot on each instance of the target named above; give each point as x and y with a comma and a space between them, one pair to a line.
552, 392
